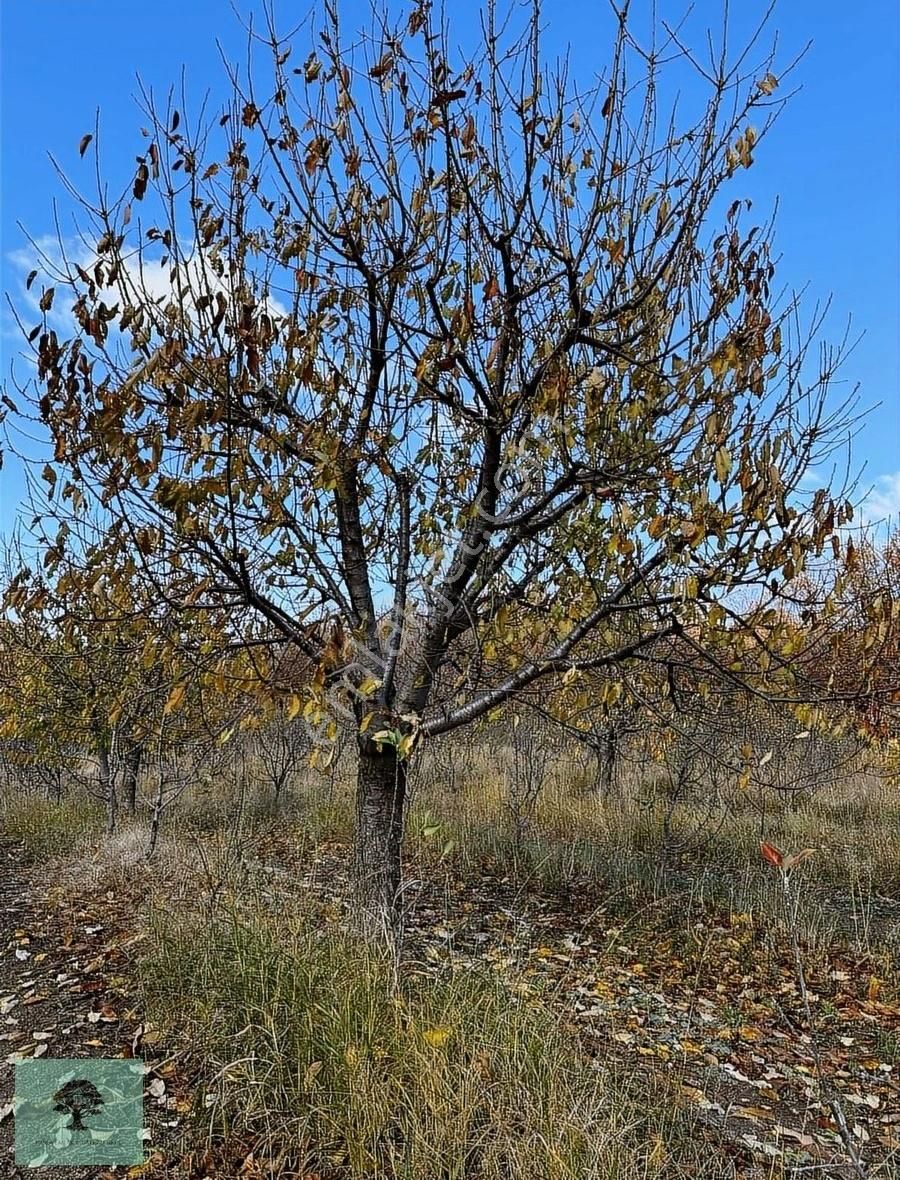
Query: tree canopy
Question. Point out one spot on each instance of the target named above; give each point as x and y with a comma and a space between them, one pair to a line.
449, 341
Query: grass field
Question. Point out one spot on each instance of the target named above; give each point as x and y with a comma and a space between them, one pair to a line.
604, 987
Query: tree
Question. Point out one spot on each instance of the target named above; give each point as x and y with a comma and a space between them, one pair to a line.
854, 649
280, 748
441, 338
94, 670
64, 690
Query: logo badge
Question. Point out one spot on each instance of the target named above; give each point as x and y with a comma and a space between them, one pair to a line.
79, 1111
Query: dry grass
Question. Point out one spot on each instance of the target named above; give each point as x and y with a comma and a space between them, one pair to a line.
635, 842
315, 1054
311, 1049
45, 829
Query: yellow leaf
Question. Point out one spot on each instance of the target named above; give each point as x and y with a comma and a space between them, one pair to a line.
768, 84
142, 1169
405, 745
436, 1037
718, 366
874, 989
294, 707
656, 527
723, 464
312, 712
176, 696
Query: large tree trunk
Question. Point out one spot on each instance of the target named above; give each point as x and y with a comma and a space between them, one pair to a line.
607, 753
380, 794
133, 757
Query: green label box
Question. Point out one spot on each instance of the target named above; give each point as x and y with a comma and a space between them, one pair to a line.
79, 1111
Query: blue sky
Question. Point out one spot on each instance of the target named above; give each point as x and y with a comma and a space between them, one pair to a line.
833, 160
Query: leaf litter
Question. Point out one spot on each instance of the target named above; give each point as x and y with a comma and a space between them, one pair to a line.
714, 1005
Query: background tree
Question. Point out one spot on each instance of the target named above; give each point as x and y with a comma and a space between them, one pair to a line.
72, 691
853, 651
442, 336
94, 672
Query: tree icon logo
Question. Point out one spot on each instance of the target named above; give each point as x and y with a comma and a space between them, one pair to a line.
79, 1111
79, 1097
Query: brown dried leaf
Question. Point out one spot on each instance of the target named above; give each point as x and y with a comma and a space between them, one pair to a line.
771, 854
797, 858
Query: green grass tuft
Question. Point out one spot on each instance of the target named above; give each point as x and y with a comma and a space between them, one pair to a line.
45, 829
452, 1077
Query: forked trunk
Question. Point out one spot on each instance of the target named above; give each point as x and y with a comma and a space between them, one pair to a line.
380, 794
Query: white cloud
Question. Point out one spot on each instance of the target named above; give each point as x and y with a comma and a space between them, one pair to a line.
149, 278
883, 501
812, 479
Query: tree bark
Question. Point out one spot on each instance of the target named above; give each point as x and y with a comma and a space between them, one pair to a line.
607, 753
133, 758
380, 795
158, 805
108, 787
